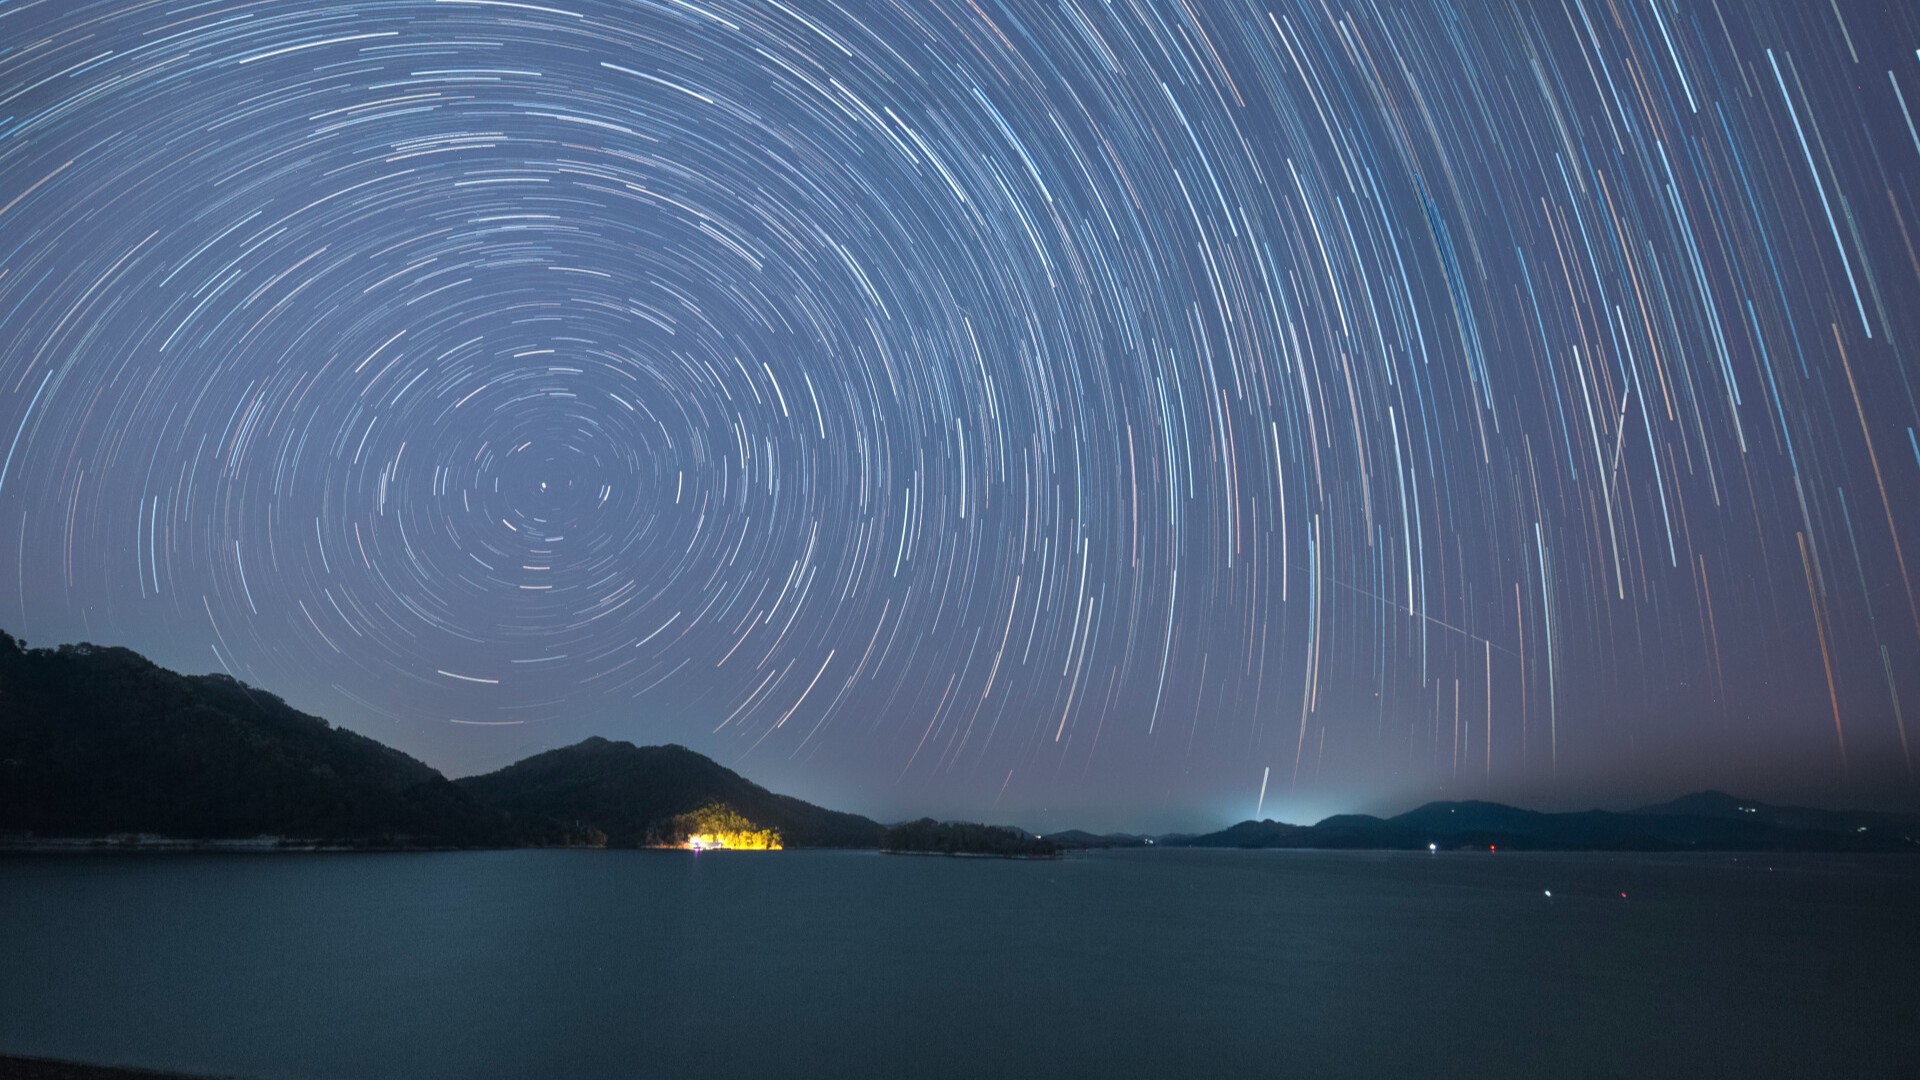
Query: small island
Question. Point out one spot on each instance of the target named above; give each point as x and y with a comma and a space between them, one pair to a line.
929, 837
717, 827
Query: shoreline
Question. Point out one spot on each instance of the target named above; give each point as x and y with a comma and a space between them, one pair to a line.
977, 855
35, 1068
149, 843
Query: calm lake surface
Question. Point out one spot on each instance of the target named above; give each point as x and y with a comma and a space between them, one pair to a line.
816, 964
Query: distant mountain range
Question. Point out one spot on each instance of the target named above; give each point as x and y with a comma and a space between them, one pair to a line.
98, 742
1708, 821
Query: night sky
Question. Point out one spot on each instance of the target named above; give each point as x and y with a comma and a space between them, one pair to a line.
1071, 412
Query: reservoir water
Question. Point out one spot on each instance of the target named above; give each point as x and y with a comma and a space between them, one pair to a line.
1155, 963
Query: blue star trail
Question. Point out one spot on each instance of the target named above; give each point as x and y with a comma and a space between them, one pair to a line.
1012, 404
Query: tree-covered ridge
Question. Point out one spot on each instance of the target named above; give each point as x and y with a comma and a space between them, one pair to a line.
96, 741
927, 836
101, 741
633, 794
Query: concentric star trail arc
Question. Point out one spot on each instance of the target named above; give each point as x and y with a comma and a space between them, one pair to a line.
1027, 403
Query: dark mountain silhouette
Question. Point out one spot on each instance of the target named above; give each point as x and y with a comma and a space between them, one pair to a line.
1248, 834
1721, 806
96, 741
632, 793
1709, 821
100, 741
1081, 840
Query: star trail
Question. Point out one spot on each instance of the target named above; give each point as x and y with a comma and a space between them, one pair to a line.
990, 405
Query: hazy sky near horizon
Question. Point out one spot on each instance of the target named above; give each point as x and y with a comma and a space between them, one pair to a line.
1073, 412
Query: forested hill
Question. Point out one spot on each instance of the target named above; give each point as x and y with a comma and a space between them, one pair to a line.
96, 741
633, 792
101, 741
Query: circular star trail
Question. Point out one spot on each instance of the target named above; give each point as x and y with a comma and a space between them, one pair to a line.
1061, 404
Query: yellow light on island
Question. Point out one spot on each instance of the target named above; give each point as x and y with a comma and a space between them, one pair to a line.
759, 840
721, 828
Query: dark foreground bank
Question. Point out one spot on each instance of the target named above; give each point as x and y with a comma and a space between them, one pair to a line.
19, 1068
